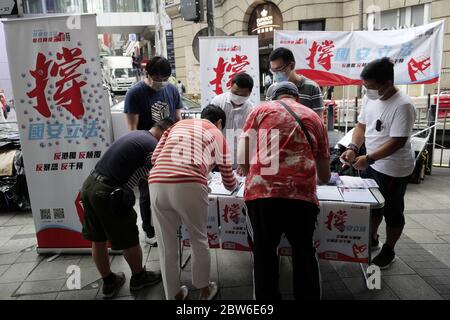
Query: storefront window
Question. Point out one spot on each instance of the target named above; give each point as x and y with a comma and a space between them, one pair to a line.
316, 25
399, 18
417, 15
33, 6
402, 17
93, 6
149, 5
121, 5
388, 19
64, 6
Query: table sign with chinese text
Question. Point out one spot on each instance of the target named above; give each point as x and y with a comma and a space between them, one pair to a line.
233, 224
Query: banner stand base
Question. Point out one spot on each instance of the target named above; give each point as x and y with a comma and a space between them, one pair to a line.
71, 251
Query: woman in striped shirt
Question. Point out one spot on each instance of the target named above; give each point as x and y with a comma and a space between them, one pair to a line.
182, 161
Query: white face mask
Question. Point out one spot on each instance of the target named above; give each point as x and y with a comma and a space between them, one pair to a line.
238, 100
373, 94
280, 76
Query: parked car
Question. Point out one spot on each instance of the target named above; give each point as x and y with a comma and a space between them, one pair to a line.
119, 122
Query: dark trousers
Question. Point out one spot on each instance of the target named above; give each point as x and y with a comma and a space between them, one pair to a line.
144, 205
393, 190
297, 219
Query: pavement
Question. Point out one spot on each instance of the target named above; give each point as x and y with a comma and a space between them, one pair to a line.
421, 272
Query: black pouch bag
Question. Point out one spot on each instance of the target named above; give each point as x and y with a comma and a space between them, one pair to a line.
121, 200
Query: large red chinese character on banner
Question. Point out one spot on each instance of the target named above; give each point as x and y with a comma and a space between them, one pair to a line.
233, 67
67, 97
336, 219
325, 51
358, 250
416, 66
212, 237
40, 74
232, 213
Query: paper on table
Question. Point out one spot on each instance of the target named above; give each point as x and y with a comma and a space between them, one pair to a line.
329, 193
357, 182
217, 187
347, 139
357, 195
352, 182
371, 183
240, 193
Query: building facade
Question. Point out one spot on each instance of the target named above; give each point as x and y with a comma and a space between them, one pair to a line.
124, 26
257, 17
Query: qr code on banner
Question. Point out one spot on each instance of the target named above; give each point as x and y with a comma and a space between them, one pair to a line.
58, 213
45, 214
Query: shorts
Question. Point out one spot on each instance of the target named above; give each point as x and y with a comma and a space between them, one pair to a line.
101, 224
393, 190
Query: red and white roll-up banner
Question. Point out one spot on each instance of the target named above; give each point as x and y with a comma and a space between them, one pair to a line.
337, 58
63, 116
221, 58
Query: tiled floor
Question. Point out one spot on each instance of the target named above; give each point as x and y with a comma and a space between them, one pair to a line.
421, 271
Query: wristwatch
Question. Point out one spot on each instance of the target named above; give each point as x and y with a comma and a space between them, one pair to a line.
353, 147
370, 161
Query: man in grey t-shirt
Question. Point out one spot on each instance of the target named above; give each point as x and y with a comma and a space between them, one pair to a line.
282, 66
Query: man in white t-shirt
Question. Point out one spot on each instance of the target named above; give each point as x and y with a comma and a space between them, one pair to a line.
385, 124
237, 107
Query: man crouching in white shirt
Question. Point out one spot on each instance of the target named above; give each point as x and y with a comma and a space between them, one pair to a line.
237, 107
385, 124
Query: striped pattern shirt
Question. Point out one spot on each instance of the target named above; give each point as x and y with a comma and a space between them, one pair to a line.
310, 94
140, 173
187, 153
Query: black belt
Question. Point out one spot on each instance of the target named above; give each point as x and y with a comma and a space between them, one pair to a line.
102, 179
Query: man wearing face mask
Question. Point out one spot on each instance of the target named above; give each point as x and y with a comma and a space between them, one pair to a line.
146, 103
282, 66
385, 124
237, 107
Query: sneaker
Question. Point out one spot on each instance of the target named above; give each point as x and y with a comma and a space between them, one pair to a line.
111, 290
148, 279
376, 244
213, 289
385, 258
182, 294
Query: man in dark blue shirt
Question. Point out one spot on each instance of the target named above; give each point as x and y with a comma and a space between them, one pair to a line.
147, 102
108, 199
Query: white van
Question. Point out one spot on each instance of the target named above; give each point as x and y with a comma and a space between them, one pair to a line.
118, 73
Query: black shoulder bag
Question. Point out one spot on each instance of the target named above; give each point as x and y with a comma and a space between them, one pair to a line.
300, 123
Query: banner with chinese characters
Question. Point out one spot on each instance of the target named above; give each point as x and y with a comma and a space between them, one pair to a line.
337, 58
63, 115
212, 227
233, 224
221, 58
344, 232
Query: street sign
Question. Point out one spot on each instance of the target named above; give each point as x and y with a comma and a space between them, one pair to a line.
192, 10
8, 7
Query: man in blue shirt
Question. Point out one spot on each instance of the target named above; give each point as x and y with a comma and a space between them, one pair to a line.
147, 102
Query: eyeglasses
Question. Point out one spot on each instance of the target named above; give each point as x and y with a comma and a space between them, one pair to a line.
279, 69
